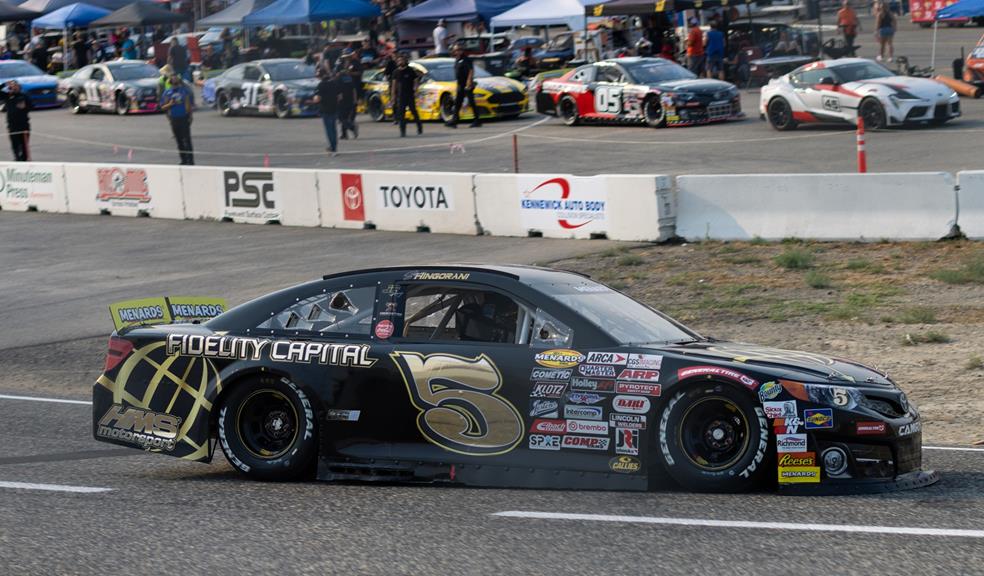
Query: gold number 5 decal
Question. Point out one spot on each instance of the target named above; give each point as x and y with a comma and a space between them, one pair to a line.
459, 409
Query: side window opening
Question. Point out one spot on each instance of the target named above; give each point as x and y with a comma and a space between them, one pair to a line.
548, 332
330, 312
464, 314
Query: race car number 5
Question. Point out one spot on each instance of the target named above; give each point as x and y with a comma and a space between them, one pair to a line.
459, 408
608, 99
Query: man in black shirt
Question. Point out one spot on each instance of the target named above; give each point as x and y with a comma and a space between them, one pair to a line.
328, 95
349, 93
18, 123
389, 70
406, 78
464, 74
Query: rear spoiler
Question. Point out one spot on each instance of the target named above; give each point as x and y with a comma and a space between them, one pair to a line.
165, 310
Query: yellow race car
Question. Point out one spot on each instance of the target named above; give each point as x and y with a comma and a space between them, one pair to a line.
495, 96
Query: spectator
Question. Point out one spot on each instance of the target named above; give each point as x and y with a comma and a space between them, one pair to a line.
695, 48
464, 75
389, 70
228, 48
441, 38
885, 24
80, 50
785, 46
715, 52
18, 123
847, 21
406, 78
526, 64
177, 57
373, 36
328, 96
128, 47
38, 51
348, 96
164, 82
178, 102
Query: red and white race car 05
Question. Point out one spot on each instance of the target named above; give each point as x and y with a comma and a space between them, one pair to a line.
844, 90
654, 91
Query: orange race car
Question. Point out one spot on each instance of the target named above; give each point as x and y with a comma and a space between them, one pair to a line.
974, 65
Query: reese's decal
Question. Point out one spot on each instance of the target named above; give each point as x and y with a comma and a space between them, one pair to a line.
245, 348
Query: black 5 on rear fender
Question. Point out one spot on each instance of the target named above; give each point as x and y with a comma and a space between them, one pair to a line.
713, 437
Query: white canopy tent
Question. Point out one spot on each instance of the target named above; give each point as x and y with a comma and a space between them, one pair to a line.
545, 13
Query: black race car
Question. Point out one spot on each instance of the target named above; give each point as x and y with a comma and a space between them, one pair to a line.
282, 86
123, 86
497, 376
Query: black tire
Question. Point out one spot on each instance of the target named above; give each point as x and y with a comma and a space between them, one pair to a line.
267, 429
122, 104
567, 111
780, 115
224, 104
873, 113
76, 103
281, 106
713, 437
447, 108
653, 112
376, 109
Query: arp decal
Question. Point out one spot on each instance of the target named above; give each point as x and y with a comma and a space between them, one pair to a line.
712, 371
637, 375
559, 358
459, 408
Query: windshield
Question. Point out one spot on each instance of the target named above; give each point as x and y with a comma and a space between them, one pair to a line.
616, 314
281, 71
656, 71
18, 69
445, 72
561, 42
134, 71
861, 71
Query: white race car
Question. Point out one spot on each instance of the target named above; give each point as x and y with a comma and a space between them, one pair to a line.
842, 90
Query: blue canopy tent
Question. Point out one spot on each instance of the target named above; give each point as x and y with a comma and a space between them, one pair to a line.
78, 15
286, 12
46, 6
457, 10
962, 9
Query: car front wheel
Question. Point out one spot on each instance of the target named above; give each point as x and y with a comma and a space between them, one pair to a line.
122, 104
781, 115
224, 104
375, 108
873, 114
713, 438
77, 103
267, 429
282, 106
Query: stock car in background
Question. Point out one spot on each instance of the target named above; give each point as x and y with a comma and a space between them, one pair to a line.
654, 91
974, 65
840, 91
284, 87
41, 89
123, 86
506, 376
495, 96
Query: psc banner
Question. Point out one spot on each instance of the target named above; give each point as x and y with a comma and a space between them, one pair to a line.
165, 310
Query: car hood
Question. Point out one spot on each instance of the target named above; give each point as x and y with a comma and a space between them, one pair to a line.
791, 364
498, 84
922, 87
301, 84
142, 83
695, 86
36, 81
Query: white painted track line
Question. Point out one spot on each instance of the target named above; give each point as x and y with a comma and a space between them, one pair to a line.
39, 399
54, 487
956, 448
902, 530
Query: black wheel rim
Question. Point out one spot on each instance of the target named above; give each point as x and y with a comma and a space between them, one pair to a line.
267, 424
447, 109
375, 109
714, 433
282, 108
567, 107
121, 105
654, 111
779, 113
223, 103
872, 115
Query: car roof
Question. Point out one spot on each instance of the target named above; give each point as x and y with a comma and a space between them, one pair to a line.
844, 62
523, 273
275, 61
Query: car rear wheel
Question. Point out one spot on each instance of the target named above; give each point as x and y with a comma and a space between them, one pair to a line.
267, 429
281, 105
713, 438
76, 102
653, 112
375, 108
781, 114
122, 104
224, 104
873, 113
567, 110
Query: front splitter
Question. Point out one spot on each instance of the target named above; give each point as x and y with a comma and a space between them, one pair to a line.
833, 487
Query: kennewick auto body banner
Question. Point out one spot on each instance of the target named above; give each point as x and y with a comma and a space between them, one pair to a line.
562, 203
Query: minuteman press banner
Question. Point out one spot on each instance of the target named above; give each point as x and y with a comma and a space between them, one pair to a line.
563, 203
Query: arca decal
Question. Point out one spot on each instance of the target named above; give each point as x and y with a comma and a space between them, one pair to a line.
459, 408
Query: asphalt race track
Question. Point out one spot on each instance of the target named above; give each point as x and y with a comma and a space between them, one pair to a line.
545, 144
71, 505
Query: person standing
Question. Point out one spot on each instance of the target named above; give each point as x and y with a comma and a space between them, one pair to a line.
328, 97
80, 50
695, 48
464, 75
441, 38
847, 21
389, 71
177, 57
348, 96
715, 52
405, 79
18, 123
885, 23
178, 102
128, 47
